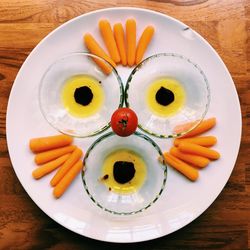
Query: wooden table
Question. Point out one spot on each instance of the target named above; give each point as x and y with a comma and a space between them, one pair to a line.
225, 24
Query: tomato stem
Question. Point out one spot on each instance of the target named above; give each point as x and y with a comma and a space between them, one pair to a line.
124, 122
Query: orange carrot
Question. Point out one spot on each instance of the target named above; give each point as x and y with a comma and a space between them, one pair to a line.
74, 157
190, 172
49, 142
120, 42
95, 49
183, 127
204, 126
192, 148
50, 155
206, 141
49, 167
196, 160
131, 41
109, 40
144, 42
67, 179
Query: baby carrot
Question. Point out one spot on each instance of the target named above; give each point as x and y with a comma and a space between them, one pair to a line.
109, 40
204, 126
95, 49
131, 41
61, 187
192, 148
183, 127
49, 167
196, 160
50, 155
206, 141
143, 43
49, 142
190, 172
120, 42
74, 157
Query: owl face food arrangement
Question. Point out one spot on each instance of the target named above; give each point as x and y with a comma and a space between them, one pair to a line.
81, 95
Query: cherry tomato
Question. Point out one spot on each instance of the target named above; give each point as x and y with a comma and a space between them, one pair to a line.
124, 121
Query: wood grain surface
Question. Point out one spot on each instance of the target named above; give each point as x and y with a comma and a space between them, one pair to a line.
226, 25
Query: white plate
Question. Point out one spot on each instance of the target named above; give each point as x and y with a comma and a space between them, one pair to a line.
182, 201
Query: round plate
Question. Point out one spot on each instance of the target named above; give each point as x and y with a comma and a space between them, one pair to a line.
182, 201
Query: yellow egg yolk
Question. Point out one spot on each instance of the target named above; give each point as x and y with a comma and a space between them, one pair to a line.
108, 171
82, 82
170, 89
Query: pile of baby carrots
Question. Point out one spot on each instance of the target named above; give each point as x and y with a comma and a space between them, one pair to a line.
192, 152
121, 45
56, 152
